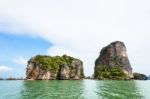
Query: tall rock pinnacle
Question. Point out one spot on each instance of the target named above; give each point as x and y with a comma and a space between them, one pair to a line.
113, 63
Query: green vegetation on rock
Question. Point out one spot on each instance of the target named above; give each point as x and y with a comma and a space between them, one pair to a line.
54, 67
105, 72
113, 63
139, 76
53, 63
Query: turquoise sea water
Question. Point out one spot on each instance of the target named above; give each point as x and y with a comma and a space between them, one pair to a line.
74, 89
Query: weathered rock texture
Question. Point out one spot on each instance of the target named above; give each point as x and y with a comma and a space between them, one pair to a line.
113, 63
47, 67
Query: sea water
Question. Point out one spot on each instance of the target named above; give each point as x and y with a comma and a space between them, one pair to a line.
74, 89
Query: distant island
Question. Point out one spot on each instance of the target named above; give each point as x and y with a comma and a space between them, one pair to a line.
149, 77
13, 78
139, 76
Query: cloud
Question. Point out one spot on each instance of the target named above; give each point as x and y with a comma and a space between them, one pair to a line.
82, 27
5, 69
20, 60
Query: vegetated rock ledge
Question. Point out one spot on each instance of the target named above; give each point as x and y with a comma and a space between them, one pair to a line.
113, 63
63, 67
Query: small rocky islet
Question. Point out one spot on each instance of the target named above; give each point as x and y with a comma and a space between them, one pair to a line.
112, 64
139, 76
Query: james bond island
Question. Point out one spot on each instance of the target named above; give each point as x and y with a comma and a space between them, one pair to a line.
54, 67
113, 63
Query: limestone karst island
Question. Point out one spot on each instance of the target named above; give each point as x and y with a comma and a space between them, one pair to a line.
57, 67
112, 63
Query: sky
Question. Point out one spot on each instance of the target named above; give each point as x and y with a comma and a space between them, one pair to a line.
16, 50
80, 28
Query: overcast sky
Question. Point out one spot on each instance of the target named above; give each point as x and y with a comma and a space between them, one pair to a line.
80, 28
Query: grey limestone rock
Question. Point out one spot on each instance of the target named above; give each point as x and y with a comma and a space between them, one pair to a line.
114, 55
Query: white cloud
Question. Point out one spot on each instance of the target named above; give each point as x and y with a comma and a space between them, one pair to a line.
5, 69
82, 27
20, 60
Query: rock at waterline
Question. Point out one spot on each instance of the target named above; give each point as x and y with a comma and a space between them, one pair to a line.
139, 76
113, 63
57, 67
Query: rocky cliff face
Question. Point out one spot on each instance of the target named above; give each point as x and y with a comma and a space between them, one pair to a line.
47, 67
113, 63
